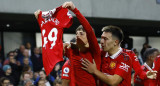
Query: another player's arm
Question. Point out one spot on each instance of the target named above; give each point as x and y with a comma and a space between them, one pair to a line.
137, 68
65, 82
93, 43
112, 80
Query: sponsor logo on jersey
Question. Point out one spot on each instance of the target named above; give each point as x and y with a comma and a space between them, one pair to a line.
124, 66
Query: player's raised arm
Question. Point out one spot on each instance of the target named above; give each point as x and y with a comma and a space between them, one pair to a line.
92, 40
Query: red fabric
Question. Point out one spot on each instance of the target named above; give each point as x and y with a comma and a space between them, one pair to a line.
121, 66
135, 64
157, 68
51, 32
66, 70
79, 76
145, 82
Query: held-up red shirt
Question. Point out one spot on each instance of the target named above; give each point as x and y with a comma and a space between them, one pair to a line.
51, 24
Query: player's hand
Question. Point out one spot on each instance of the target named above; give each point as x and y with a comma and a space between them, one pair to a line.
37, 13
69, 5
88, 66
80, 42
151, 74
65, 45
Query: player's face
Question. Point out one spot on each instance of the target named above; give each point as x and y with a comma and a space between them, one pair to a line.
107, 41
155, 54
81, 38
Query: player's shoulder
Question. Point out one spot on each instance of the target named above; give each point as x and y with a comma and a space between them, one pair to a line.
67, 63
157, 58
127, 51
124, 56
103, 53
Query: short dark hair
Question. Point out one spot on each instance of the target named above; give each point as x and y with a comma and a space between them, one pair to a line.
148, 52
80, 27
116, 32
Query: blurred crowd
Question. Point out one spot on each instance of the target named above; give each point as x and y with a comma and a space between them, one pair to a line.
24, 67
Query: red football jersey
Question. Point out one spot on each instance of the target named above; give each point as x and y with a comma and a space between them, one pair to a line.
135, 64
51, 24
79, 76
119, 64
157, 68
145, 82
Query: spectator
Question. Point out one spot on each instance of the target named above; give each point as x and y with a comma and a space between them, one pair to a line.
10, 56
37, 60
4, 81
28, 47
145, 46
8, 73
28, 82
27, 61
25, 55
57, 82
25, 76
56, 71
41, 82
20, 52
48, 79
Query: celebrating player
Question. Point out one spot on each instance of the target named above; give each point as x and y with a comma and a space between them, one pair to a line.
87, 48
150, 54
116, 65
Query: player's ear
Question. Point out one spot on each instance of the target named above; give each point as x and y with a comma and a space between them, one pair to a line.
150, 57
116, 42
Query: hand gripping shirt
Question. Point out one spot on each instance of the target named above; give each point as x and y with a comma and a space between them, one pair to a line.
51, 24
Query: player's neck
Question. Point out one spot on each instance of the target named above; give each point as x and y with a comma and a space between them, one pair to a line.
82, 49
113, 50
149, 63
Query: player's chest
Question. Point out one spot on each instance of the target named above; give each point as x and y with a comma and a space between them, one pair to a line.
109, 66
77, 58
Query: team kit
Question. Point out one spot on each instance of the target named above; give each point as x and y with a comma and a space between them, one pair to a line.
88, 64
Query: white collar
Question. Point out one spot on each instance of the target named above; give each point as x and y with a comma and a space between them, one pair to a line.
114, 56
146, 65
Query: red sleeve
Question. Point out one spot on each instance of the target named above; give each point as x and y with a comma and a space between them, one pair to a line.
66, 71
137, 67
93, 43
137, 80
